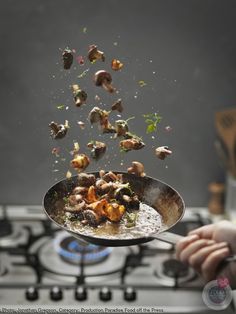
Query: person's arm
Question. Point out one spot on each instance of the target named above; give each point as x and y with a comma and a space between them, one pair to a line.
205, 248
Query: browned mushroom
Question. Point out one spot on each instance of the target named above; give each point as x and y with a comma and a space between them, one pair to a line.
101, 116
75, 208
137, 168
117, 106
162, 152
95, 115
67, 57
130, 144
94, 54
80, 162
80, 95
86, 180
98, 149
104, 79
116, 65
58, 131
121, 127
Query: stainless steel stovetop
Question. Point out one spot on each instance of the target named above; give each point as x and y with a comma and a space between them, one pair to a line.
43, 268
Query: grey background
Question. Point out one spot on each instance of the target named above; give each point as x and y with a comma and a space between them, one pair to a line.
189, 45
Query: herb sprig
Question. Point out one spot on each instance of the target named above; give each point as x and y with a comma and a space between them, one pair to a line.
152, 120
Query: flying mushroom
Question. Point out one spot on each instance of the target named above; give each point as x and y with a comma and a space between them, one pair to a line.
94, 54
67, 57
104, 79
80, 95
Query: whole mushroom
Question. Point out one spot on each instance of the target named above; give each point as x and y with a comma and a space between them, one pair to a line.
104, 79
80, 95
131, 143
94, 54
137, 168
67, 57
162, 152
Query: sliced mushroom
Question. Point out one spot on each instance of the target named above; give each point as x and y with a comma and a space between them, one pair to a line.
98, 149
117, 106
94, 54
86, 180
58, 131
104, 79
80, 189
131, 143
75, 199
91, 218
80, 95
110, 177
67, 57
137, 168
80, 162
76, 208
96, 115
162, 152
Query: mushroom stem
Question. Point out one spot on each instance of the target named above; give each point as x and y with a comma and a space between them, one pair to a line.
107, 86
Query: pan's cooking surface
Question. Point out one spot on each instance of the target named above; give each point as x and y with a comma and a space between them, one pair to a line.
161, 207
148, 221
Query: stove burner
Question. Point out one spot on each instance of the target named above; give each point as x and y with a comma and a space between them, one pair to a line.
74, 250
5, 228
171, 272
175, 269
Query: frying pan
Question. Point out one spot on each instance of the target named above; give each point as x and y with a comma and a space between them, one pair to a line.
153, 193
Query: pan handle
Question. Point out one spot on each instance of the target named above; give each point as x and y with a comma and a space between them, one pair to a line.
168, 237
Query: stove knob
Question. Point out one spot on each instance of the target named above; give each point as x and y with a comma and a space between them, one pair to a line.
81, 294
56, 293
105, 294
130, 294
32, 294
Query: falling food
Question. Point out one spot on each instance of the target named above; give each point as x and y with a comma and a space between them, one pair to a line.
98, 149
56, 151
60, 107
80, 95
94, 54
97, 98
168, 128
67, 57
104, 79
131, 144
81, 124
117, 106
162, 152
58, 131
80, 60
83, 73
80, 162
68, 175
116, 65
142, 83
152, 120
137, 168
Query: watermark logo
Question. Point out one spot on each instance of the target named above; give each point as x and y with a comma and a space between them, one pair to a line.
217, 294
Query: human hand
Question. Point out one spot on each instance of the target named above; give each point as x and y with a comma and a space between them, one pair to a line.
206, 247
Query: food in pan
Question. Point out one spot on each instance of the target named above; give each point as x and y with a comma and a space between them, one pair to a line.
80, 95
162, 152
96, 200
67, 57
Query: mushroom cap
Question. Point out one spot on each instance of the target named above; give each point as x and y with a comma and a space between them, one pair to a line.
138, 166
101, 76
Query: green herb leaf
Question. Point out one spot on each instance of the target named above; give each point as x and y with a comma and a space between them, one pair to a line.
152, 119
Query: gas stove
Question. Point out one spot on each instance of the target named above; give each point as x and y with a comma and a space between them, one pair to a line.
45, 269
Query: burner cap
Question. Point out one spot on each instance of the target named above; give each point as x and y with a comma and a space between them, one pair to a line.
75, 250
174, 268
5, 228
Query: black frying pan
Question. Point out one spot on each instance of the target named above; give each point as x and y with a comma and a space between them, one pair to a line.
162, 199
